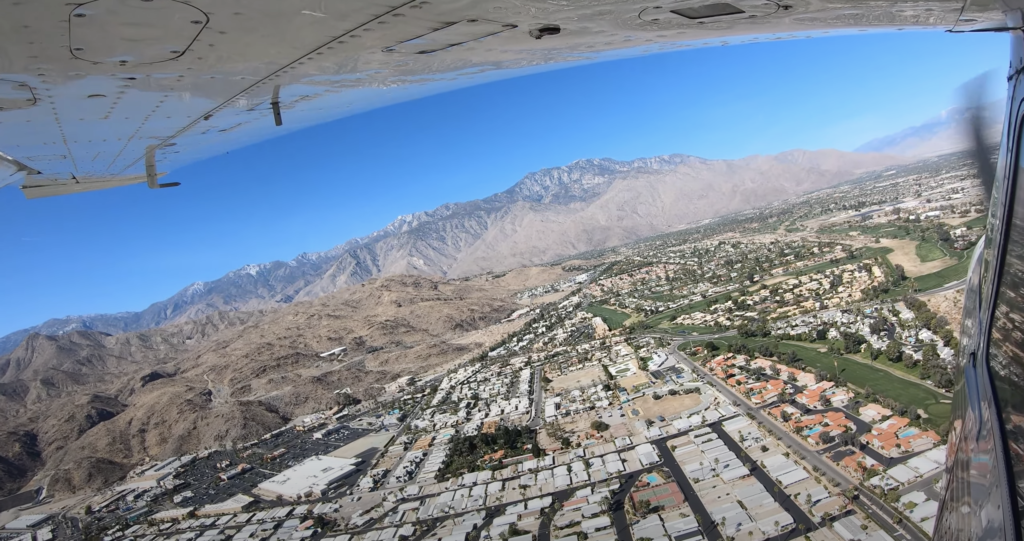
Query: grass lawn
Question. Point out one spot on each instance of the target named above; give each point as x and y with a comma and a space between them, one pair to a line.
899, 367
860, 375
942, 277
928, 251
613, 318
978, 221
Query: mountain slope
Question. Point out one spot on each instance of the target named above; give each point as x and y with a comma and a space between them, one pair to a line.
943, 134
548, 214
85, 407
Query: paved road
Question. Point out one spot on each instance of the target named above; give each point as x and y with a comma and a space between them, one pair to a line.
783, 499
812, 458
538, 400
623, 530
948, 287
707, 523
883, 517
557, 499
923, 484
789, 439
696, 336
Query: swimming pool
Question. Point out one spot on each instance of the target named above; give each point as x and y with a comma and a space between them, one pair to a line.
908, 432
813, 431
652, 479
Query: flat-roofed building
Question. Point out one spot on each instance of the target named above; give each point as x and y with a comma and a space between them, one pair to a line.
310, 478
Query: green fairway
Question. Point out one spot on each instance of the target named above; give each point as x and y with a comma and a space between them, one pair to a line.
613, 318
942, 277
928, 251
861, 376
899, 367
978, 221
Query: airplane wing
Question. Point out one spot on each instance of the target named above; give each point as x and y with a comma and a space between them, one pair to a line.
107, 93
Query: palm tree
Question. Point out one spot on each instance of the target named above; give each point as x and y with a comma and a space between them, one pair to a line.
776, 527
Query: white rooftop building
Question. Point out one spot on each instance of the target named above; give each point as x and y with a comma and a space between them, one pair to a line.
311, 477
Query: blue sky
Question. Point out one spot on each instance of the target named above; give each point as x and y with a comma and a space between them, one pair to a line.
125, 248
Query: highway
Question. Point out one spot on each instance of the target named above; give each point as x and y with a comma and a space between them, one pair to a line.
877, 508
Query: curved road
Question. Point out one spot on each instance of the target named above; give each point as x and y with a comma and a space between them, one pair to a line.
948, 287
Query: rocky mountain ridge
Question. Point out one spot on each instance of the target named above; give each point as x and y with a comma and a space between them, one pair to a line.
548, 214
945, 133
78, 410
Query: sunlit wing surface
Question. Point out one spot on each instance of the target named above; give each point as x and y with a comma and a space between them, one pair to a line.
90, 91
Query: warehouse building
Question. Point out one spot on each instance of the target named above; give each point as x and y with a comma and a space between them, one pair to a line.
310, 478
26, 522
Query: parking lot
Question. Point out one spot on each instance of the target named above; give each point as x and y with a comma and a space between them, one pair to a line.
202, 480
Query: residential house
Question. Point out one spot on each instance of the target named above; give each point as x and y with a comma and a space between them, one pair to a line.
873, 413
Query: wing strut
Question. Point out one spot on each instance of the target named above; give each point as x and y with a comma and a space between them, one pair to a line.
151, 171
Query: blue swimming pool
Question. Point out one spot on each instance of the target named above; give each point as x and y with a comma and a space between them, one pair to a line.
813, 431
908, 432
652, 479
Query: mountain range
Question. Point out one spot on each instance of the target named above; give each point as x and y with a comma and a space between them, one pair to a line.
948, 132
85, 398
78, 410
548, 214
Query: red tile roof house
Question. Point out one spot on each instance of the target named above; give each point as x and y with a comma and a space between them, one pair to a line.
738, 380
788, 373
919, 442
884, 438
719, 361
806, 379
777, 411
763, 392
807, 421
873, 413
832, 422
811, 396
858, 463
838, 397
761, 363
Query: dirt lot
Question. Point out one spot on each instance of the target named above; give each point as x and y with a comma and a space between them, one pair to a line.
949, 304
588, 377
775, 279
904, 253
492, 334
666, 407
578, 424
958, 221
630, 381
